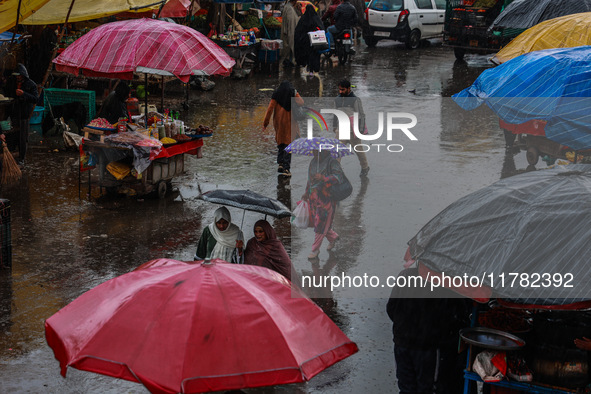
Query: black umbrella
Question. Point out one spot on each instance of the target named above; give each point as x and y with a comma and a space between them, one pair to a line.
247, 200
523, 14
526, 237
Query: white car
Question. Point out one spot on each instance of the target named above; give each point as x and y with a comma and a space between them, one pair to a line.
408, 21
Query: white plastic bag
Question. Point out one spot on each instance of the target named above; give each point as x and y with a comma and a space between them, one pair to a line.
301, 215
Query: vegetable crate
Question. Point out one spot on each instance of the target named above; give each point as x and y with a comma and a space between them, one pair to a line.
55, 97
269, 56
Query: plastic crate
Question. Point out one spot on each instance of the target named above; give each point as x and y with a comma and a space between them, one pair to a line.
273, 34
269, 56
37, 116
54, 96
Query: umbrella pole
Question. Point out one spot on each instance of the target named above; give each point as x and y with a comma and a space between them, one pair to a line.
241, 223
18, 12
59, 39
162, 97
146, 98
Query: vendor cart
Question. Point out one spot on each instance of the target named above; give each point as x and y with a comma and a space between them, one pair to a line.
531, 137
481, 338
164, 165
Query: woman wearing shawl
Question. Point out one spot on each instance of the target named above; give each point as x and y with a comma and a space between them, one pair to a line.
265, 250
222, 239
304, 53
285, 130
324, 171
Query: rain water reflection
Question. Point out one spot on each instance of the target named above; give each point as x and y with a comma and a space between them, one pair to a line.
64, 246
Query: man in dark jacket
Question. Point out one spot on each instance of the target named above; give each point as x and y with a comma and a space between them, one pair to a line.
115, 105
350, 104
345, 17
425, 327
24, 91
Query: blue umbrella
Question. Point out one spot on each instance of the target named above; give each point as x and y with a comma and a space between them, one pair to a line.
307, 146
552, 85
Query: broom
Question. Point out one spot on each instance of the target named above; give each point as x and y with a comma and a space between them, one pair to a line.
11, 173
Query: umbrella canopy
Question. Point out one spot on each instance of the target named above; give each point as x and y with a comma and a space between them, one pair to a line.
175, 9
118, 49
55, 11
248, 200
9, 9
187, 328
523, 14
533, 226
564, 32
553, 85
307, 146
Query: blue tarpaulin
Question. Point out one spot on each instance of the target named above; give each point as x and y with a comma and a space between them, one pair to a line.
552, 85
7, 36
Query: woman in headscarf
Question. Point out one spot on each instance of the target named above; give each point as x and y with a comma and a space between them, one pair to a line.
304, 53
265, 250
222, 239
286, 130
324, 171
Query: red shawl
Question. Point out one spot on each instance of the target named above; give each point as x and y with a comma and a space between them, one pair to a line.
269, 253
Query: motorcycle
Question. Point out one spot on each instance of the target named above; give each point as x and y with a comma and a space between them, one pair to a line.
344, 45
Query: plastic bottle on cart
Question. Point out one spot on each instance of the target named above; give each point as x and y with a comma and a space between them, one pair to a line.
253, 38
161, 130
122, 125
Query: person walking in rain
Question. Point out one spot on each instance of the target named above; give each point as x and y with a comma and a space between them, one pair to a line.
323, 172
286, 129
266, 250
305, 54
24, 91
222, 239
290, 17
349, 103
425, 326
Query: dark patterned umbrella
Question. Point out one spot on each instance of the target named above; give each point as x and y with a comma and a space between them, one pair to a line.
247, 200
524, 237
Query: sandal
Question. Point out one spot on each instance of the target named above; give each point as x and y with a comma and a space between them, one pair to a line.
332, 244
314, 254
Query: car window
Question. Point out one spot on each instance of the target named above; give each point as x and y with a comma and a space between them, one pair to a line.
386, 5
440, 4
424, 4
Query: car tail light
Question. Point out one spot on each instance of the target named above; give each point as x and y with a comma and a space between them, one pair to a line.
367, 14
346, 36
403, 15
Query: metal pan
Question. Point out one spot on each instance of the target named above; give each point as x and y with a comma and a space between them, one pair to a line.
489, 338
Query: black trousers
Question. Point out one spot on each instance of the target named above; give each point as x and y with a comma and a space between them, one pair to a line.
283, 157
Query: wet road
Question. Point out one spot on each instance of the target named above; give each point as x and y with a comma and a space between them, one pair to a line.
63, 246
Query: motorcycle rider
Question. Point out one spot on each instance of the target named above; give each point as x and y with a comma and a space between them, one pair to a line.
345, 17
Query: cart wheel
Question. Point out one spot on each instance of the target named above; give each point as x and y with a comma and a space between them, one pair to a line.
532, 155
162, 189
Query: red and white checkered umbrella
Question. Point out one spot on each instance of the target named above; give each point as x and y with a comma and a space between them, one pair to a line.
118, 49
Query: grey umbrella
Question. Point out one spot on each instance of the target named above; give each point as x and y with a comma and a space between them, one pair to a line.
526, 237
523, 14
247, 200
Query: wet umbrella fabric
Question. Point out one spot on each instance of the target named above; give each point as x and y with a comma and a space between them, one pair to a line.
553, 85
307, 146
523, 14
120, 49
248, 200
534, 223
183, 328
565, 32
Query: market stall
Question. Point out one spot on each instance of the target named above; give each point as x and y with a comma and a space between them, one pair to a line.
530, 347
154, 153
137, 162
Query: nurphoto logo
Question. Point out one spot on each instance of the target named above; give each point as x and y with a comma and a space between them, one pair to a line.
394, 124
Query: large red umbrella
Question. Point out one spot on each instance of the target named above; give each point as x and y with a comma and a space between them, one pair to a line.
118, 49
184, 328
